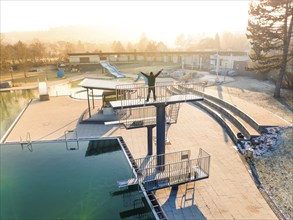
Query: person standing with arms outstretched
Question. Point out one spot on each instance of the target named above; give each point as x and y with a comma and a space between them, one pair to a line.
151, 83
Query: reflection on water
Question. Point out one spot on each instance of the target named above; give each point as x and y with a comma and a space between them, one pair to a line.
11, 104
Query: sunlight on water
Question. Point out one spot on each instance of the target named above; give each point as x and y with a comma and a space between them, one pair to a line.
11, 104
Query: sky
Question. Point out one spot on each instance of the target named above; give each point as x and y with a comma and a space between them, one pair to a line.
157, 19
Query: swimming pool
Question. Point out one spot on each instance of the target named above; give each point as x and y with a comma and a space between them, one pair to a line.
48, 181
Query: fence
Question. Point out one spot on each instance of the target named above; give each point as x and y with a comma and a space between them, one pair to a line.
151, 161
146, 116
176, 173
138, 117
176, 169
136, 94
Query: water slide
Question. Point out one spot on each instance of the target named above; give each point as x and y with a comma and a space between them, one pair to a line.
112, 69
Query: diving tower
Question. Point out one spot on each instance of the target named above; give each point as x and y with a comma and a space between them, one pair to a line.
131, 98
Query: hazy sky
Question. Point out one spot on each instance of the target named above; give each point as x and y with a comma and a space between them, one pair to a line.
159, 20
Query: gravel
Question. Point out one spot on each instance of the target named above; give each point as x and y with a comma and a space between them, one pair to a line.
275, 170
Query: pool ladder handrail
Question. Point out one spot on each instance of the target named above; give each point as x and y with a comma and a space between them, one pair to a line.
68, 140
27, 142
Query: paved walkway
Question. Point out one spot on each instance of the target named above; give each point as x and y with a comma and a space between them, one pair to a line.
229, 193
262, 116
48, 120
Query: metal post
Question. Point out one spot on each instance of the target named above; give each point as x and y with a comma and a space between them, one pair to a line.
88, 102
161, 133
93, 98
217, 66
150, 140
11, 73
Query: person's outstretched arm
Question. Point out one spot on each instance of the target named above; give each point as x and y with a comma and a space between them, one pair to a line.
159, 73
138, 77
144, 74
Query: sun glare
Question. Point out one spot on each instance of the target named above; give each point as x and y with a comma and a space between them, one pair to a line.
158, 19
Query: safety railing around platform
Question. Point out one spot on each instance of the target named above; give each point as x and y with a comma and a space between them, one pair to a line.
152, 161
175, 173
138, 117
136, 94
159, 171
146, 116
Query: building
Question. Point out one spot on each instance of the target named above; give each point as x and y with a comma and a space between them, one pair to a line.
200, 60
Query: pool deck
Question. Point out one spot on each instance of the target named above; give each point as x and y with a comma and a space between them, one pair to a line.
229, 192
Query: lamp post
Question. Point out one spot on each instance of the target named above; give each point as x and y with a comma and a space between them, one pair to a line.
11, 73
217, 66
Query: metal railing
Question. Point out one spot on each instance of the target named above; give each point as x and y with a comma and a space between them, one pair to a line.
146, 116
203, 162
151, 161
175, 173
138, 117
136, 94
176, 168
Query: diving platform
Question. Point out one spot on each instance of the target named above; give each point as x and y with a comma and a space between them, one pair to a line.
135, 103
134, 95
182, 170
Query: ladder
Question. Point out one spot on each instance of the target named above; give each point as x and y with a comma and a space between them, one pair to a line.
27, 142
74, 138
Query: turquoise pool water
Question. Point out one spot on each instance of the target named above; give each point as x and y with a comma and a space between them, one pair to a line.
47, 181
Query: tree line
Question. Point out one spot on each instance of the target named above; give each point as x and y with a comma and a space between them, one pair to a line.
28, 54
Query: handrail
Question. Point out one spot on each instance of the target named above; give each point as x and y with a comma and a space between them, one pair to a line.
137, 93
182, 171
152, 160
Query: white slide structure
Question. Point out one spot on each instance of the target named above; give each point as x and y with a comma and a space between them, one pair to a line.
112, 69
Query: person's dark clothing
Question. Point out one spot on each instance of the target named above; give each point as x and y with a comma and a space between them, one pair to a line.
151, 83
151, 88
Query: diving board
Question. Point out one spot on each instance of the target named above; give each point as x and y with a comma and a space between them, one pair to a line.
172, 99
115, 72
